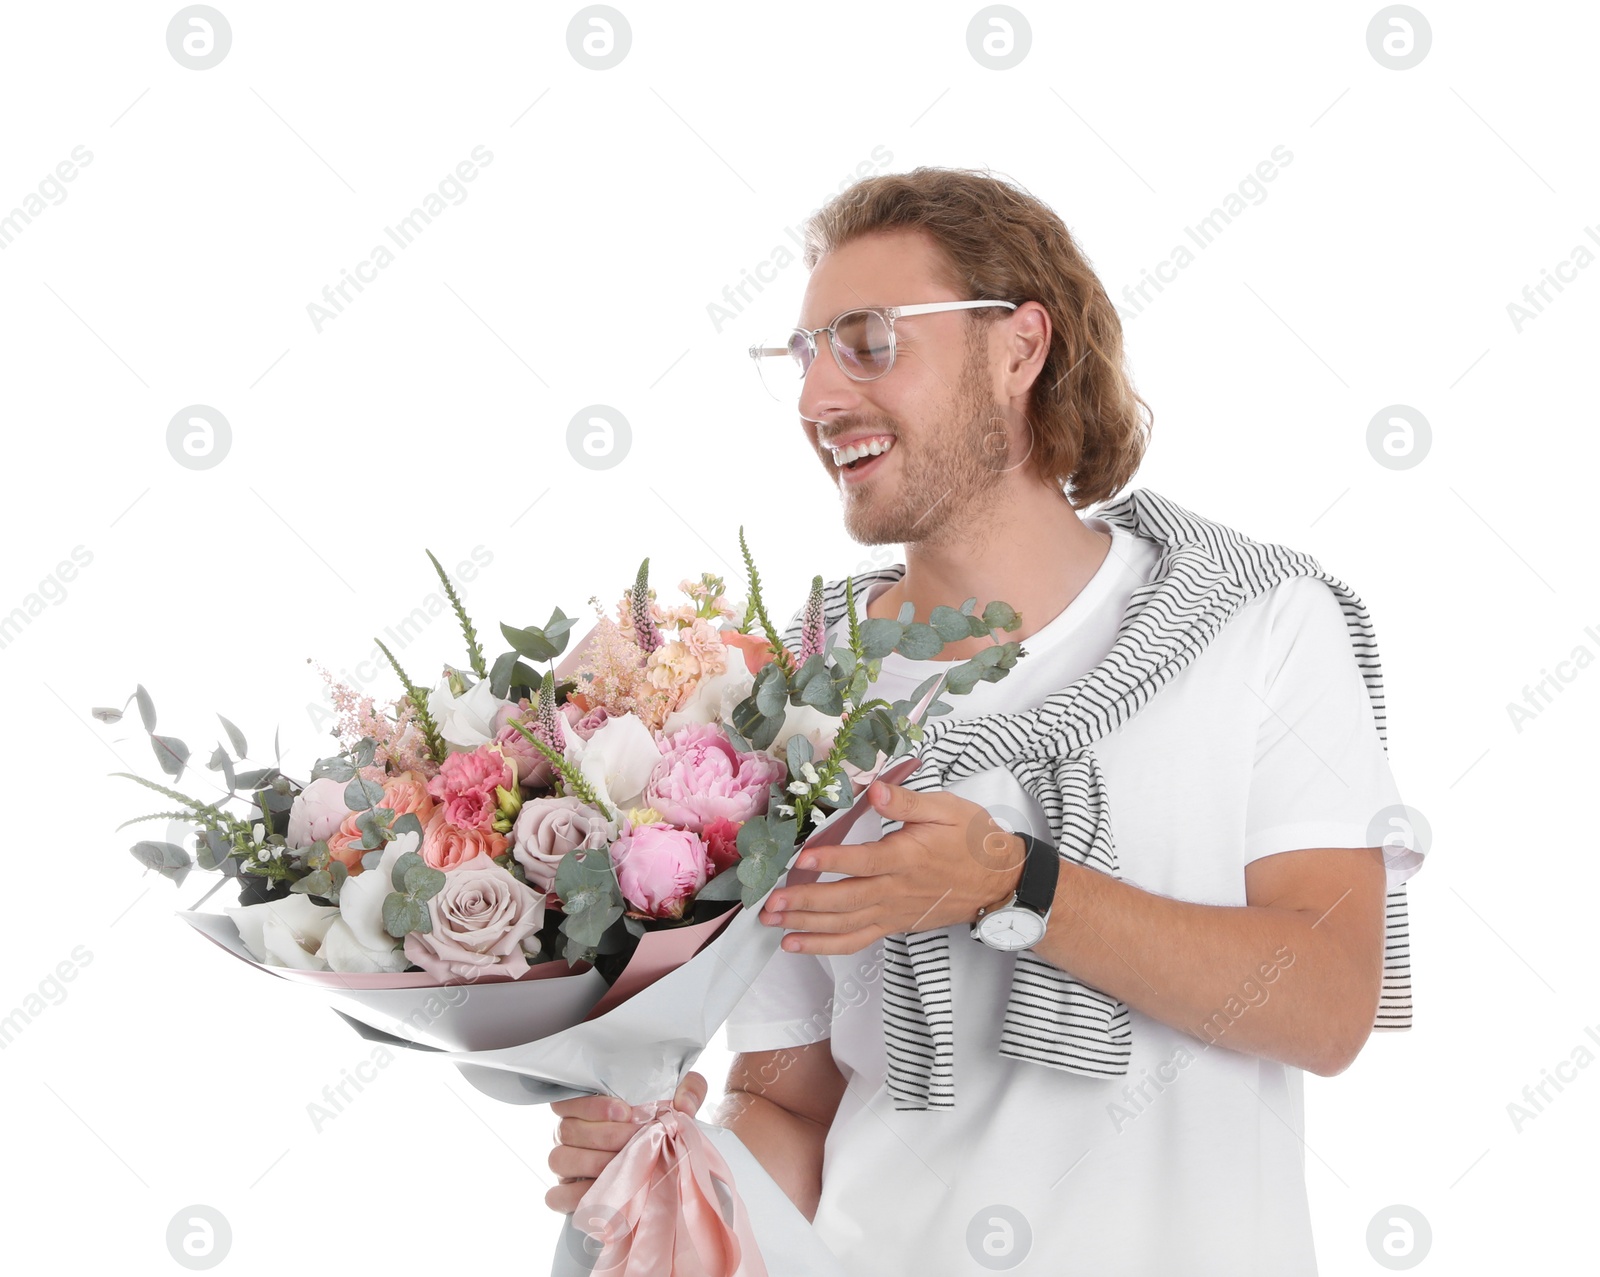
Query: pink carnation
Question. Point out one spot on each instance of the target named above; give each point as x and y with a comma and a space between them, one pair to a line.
466, 783
701, 777
722, 843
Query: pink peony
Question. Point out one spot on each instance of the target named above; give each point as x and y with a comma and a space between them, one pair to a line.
546, 829
446, 846
659, 868
702, 777
722, 843
317, 811
466, 784
483, 919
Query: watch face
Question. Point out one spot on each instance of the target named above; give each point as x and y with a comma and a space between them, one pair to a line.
1011, 928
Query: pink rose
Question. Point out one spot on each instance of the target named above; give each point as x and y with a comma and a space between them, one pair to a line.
546, 829
466, 784
317, 811
659, 868
591, 722
406, 794
533, 768
448, 847
722, 843
483, 920
702, 777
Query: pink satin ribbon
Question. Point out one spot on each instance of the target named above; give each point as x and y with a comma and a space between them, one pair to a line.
655, 1209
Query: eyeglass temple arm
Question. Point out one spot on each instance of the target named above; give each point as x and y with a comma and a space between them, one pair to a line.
932, 308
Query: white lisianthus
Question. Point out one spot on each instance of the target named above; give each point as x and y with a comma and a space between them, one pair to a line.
810, 722
357, 941
713, 698
616, 761
287, 932
465, 721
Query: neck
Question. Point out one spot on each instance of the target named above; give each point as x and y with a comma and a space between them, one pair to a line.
1033, 551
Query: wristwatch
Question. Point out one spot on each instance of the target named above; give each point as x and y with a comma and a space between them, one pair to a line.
1020, 922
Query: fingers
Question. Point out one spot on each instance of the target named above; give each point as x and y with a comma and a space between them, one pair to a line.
574, 1132
564, 1198
580, 1163
691, 1093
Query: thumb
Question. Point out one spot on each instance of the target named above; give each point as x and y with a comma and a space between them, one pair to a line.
691, 1094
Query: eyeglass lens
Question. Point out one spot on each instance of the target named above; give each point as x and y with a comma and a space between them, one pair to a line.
861, 338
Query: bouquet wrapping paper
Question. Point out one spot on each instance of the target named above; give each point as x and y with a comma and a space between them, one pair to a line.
692, 1200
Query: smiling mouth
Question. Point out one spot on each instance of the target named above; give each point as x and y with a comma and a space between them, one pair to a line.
860, 456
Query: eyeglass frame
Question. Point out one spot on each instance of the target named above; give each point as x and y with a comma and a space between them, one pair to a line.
889, 314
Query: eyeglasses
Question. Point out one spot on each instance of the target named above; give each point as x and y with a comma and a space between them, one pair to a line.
862, 342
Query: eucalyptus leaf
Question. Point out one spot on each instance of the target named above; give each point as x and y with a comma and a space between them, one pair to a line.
879, 635
530, 642
951, 625
407, 824
402, 915
397, 873
799, 752
1000, 616
725, 886
235, 737
423, 882
147, 707
907, 613
920, 642
171, 753
771, 690
166, 858
362, 793
319, 883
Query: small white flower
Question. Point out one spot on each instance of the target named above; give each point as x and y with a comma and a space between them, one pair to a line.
818, 815
799, 787
831, 793
785, 810
259, 830
810, 773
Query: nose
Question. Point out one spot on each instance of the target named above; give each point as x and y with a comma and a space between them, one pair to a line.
826, 391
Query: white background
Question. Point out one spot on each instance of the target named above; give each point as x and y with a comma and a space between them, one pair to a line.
433, 412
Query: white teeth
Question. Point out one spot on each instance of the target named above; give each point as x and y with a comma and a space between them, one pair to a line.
872, 448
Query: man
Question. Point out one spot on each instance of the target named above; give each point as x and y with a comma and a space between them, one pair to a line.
1246, 930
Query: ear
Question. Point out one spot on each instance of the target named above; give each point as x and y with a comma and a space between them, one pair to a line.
1027, 345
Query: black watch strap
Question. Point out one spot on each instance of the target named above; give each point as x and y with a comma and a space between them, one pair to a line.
1037, 887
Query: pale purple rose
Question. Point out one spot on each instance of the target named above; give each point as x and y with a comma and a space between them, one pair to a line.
482, 920
591, 722
659, 867
533, 768
546, 829
317, 811
702, 778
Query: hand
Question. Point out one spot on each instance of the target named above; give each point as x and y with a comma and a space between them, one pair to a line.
948, 860
588, 1136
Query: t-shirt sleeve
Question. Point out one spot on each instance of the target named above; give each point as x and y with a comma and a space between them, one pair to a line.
788, 1004
1321, 776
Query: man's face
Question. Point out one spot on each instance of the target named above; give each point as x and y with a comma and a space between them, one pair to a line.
937, 402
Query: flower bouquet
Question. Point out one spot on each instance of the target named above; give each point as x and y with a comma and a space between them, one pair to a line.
496, 868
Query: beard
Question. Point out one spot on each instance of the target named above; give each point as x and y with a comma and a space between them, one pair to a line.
949, 472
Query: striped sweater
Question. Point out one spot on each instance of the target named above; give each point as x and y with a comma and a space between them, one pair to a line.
1205, 573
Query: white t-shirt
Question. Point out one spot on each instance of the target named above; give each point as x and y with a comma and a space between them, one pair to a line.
1193, 1162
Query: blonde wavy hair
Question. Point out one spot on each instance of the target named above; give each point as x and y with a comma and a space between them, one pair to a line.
998, 242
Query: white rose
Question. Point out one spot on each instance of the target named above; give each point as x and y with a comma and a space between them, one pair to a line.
357, 941
285, 933
713, 699
616, 761
465, 721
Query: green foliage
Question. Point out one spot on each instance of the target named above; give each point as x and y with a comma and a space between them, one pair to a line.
591, 900
418, 696
474, 652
